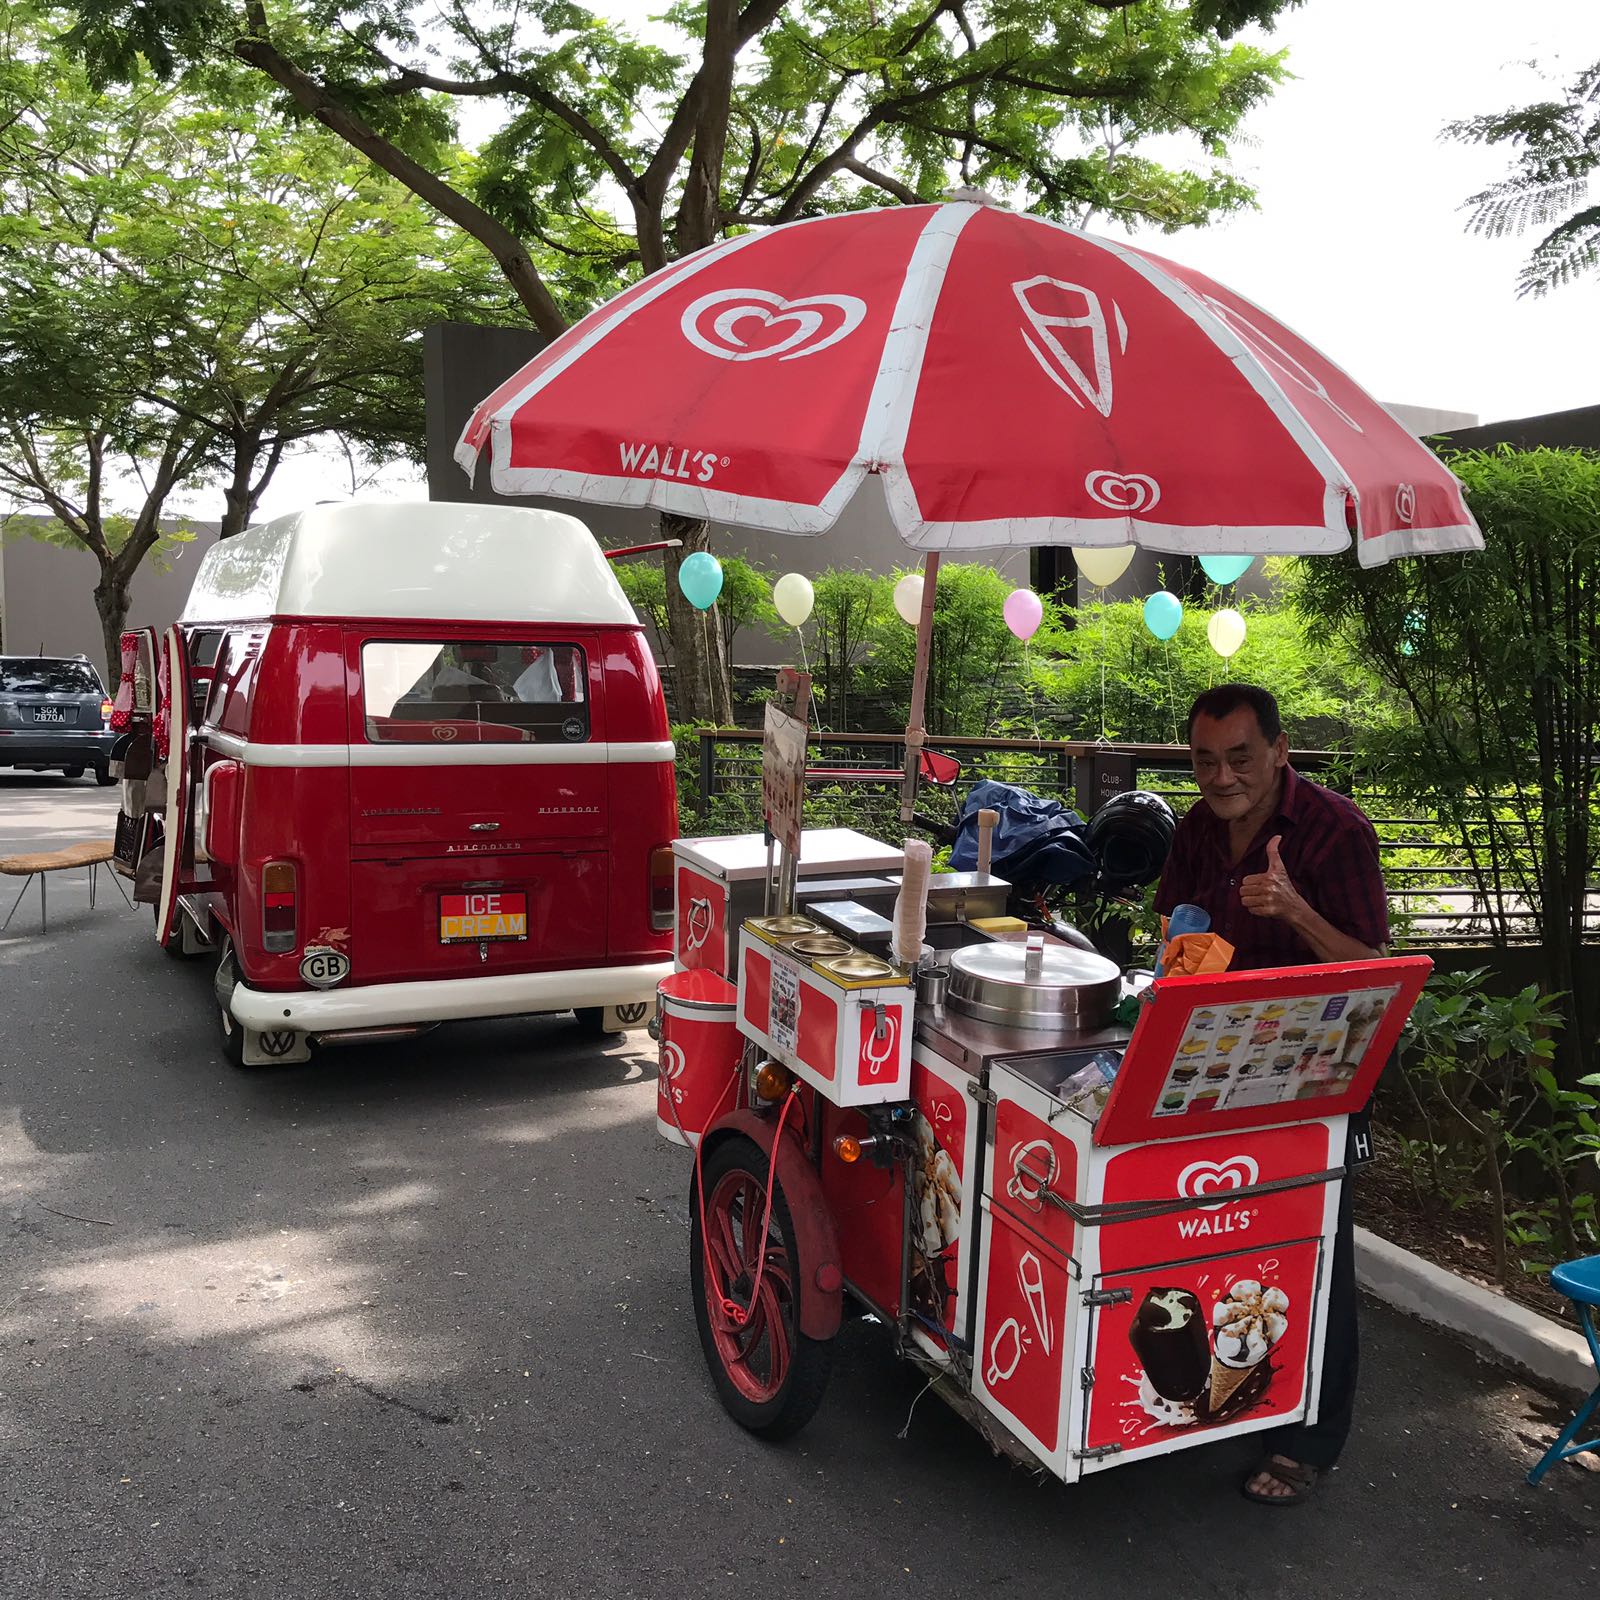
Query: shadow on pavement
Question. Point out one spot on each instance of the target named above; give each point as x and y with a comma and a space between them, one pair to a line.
414, 1320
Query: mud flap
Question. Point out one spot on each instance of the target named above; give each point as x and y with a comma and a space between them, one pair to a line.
633, 1014
276, 1047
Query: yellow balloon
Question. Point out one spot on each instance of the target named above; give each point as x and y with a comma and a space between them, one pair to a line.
908, 597
793, 598
1101, 566
1225, 630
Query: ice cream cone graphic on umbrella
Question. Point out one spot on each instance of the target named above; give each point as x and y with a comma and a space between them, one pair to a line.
1246, 1323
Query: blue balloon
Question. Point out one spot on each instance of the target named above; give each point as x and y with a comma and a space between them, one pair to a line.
1225, 569
1416, 624
700, 578
1163, 614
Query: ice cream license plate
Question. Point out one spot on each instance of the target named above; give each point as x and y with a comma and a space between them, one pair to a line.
482, 918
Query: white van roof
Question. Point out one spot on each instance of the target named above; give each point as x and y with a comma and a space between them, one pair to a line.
412, 559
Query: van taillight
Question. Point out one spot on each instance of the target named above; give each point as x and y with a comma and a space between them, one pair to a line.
106, 708
661, 887
279, 893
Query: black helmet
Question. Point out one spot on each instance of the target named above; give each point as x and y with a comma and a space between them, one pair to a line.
1130, 836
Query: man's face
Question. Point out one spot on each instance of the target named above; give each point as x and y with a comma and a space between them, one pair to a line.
1234, 765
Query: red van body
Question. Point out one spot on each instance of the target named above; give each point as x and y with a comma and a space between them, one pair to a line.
419, 770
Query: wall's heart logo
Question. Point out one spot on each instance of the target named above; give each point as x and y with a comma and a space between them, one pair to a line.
1123, 491
1214, 1177
753, 324
1405, 504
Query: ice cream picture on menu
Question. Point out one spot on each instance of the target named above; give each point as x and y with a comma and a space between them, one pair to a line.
1204, 1371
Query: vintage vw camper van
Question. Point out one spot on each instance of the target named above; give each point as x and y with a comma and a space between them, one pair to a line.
417, 768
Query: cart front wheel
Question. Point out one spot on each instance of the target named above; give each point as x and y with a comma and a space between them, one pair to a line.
769, 1375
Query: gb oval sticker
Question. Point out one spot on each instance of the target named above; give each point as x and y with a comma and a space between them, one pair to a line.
323, 967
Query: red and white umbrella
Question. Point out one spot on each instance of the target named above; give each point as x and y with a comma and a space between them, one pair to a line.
1010, 380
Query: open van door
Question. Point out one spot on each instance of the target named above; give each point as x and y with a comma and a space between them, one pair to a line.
173, 704
133, 757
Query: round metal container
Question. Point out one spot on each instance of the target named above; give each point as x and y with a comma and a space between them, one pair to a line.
784, 927
1072, 989
821, 944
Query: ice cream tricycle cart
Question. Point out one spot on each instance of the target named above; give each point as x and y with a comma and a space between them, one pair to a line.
1102, 1240
1103, 1225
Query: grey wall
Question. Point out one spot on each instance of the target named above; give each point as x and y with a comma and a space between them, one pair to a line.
47, 594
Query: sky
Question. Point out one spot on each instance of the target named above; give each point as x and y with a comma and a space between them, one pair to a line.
1359, 240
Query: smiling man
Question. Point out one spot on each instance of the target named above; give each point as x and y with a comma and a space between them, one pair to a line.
1288, 872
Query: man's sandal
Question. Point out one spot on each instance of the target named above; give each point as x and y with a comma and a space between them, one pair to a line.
1299, 1478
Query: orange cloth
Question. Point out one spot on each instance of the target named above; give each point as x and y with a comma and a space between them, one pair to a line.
1194, 953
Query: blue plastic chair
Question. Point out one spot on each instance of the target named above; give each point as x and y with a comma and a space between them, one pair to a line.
1579, 1281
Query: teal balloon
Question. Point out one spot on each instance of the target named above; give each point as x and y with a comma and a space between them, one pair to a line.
1416, 624
700, 578
1226, 569
1163, 614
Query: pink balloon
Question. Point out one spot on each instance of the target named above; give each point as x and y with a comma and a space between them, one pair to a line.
1024, 611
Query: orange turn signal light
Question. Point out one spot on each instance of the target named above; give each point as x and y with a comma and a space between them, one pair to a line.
773, 1082
847, 1147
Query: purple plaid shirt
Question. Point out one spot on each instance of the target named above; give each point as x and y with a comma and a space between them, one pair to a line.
1329, 850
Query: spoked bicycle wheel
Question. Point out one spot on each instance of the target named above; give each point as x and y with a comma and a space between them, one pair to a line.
768, 1374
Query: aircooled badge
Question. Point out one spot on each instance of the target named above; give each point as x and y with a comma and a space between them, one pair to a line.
323, 967
572, 728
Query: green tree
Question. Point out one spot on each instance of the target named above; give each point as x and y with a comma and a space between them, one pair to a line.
745, 601
620, 152
975, 665
848, 614
1555, 149
1496, 660
189, 290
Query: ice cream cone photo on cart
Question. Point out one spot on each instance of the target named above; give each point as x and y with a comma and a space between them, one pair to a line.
990, 380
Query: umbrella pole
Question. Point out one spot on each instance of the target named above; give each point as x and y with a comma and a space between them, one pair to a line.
916, 734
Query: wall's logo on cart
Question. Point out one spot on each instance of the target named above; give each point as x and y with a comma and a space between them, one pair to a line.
752, 324
671, 1069
698, 924
1202, 1178
880, 1043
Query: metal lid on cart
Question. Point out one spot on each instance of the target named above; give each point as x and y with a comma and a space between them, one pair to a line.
1056, 986
696, 989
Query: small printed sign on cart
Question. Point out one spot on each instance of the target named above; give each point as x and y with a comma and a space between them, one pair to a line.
783, 1022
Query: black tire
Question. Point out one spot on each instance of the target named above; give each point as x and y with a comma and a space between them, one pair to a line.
230, 1033
797, 1394
102, 776
591, 1022
72, 772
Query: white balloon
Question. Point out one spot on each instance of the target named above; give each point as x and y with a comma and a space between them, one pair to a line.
1225, 630
908, 597
793, 598
1101, 566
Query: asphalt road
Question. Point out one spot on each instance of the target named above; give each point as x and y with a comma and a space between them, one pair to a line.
413, 1321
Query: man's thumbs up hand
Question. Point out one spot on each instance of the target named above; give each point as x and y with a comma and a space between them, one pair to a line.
1271, 893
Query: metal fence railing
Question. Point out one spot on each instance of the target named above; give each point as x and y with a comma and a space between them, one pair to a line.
1436, 896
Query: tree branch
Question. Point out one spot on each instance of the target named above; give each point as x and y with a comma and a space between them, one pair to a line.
904, 193
259, 51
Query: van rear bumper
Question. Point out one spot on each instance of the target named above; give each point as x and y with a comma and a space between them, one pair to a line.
445, 999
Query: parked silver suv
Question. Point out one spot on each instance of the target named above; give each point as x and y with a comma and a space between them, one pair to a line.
54, 714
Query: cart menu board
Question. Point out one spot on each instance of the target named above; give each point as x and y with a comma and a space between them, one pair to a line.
1263, 1052
1241, 1050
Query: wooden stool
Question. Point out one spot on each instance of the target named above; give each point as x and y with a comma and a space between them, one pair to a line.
93, 855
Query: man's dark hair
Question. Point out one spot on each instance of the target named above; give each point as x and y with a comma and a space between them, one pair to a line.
1227, 698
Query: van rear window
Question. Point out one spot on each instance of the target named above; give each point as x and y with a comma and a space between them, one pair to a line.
499, 693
